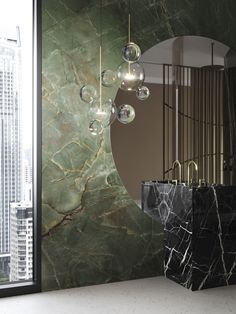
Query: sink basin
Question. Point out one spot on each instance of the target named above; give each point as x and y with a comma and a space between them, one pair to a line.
159, 197
199, 232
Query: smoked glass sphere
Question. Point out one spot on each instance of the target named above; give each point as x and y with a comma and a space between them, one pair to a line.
95, 127
125, 114
142, 92
130, 75
131, 52
108, 78
88, 93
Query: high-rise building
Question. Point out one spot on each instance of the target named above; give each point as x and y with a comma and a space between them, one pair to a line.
21, 243
10, 140
27, 175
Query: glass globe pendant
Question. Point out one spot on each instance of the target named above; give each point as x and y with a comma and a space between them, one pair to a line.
130, 75
113, 115
125, 114
93, 109
108, 78
95, 127
108, 113
102, 112
131, 52
88, 93
142, 92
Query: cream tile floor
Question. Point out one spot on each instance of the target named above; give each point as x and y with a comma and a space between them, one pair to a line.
146, 296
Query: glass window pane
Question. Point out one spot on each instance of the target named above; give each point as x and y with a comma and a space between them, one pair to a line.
16, 105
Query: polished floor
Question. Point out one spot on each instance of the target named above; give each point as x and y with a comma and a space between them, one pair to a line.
146, 296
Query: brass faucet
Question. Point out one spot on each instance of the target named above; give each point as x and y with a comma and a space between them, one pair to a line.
176, 162
192, 162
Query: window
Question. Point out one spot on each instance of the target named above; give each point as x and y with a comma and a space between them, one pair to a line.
20, 146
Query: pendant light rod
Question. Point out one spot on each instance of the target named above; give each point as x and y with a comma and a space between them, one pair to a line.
129, 18
100, 76
100, 59
129, 28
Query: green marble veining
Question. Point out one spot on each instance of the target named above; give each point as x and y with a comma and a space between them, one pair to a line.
92, 231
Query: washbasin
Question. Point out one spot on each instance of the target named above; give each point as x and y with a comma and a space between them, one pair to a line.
159, 197
199, 231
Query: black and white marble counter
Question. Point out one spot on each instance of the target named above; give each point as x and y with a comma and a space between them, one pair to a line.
200, 232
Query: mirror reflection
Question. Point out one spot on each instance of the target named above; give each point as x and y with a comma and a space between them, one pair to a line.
185, 129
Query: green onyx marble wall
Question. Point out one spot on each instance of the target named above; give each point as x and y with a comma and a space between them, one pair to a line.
93, 232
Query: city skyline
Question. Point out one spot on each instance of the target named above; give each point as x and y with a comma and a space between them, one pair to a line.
10, 137
21, 17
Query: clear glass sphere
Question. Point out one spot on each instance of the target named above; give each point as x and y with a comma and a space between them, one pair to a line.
125, 114
88, 93
94, 108
113, 115
104, 113
130, 75
131, 52
95, 127
142, 92
101, 112
108, 78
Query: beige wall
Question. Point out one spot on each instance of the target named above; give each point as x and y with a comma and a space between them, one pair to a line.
137, 147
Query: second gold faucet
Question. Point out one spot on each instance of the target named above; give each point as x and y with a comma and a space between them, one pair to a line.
192, 162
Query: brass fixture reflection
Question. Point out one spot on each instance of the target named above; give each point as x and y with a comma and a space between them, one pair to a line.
201, 182
177, 163
192, 162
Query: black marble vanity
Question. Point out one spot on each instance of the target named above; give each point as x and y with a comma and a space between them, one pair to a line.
200, 231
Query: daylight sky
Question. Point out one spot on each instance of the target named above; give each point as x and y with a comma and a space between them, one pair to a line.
19, 13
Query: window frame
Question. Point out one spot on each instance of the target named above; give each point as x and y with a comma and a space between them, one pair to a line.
26, 287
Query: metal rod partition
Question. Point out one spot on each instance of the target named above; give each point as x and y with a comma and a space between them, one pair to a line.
192, 120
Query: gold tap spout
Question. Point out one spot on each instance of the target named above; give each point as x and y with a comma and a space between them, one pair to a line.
192, 162
176, 162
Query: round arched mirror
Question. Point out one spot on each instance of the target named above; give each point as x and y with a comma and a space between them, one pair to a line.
188, 116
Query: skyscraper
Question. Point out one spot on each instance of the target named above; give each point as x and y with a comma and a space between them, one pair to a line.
21, 244
27, 175
10, 140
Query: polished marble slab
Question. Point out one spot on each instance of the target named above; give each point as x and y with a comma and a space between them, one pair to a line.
92, 231
199, 232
